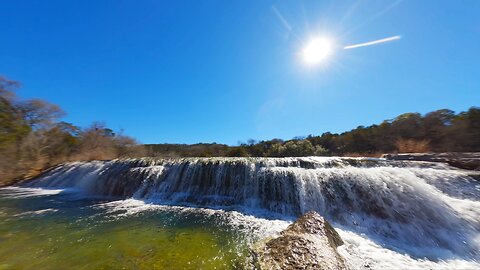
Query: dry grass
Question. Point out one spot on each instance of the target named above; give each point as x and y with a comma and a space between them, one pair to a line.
412, 146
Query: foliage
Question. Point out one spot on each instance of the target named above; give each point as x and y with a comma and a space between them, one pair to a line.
237, 152
185, 150
437, 131
32, 138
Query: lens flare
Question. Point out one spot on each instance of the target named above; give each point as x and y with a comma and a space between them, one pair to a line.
317, 50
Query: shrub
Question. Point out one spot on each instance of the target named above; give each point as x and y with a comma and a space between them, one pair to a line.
412, 146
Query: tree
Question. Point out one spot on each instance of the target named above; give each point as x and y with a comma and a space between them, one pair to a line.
95, 143
238, 151
32, 138
436, 125
40, 114
320, 151
465, 131
12, 125
7, 88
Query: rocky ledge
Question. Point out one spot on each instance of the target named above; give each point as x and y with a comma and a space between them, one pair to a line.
468, 161
309, 243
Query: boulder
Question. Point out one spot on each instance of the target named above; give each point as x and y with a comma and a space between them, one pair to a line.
309, 243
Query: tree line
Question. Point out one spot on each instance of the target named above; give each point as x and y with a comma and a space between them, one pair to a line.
438, 131
32, 138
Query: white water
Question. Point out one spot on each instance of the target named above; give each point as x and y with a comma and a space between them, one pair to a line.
390, 214
23, 192
255, 226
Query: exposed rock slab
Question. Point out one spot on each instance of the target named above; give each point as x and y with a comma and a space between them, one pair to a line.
469, 161
309, 243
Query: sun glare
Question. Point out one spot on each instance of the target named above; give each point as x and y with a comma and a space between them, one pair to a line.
317, 50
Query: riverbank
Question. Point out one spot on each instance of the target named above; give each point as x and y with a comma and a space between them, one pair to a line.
462, 160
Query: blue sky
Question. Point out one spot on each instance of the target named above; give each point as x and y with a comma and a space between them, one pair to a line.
227, 71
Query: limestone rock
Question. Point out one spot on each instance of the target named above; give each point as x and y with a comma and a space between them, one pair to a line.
309, 243
469, 161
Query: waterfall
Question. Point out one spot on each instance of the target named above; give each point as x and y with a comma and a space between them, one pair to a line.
407, 205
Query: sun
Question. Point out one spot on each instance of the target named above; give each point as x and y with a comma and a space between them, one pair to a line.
317, 51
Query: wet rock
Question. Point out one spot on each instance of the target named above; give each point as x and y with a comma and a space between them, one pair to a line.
468, 161
309, 243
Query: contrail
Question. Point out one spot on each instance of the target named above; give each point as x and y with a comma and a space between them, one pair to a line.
372, 42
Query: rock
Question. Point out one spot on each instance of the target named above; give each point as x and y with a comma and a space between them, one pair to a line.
468, 161
309, 243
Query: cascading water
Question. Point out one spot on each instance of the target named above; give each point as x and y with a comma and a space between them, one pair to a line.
425, 210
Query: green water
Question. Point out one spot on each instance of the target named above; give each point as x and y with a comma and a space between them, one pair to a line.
62, 231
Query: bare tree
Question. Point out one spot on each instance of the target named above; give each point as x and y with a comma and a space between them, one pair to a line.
39, 114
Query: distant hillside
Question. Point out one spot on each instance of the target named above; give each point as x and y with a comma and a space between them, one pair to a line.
437, 131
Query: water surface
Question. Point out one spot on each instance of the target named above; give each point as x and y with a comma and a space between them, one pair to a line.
49, 229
